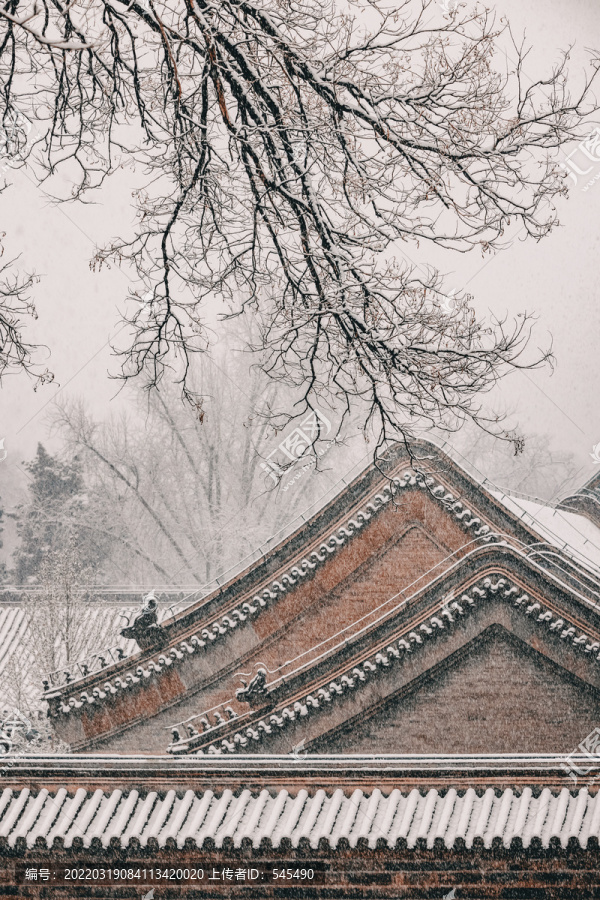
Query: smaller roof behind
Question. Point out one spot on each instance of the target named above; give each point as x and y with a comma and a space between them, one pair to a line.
568, 531
20, 674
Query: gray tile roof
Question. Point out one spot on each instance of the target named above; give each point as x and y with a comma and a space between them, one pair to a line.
18, 644
129, 818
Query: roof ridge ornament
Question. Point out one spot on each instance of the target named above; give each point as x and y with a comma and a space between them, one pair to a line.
145, 629
255, 689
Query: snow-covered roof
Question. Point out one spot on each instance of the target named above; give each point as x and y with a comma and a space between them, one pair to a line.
574, 534
204, 819
19, 674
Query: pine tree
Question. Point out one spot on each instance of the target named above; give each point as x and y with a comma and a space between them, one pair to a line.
54, 517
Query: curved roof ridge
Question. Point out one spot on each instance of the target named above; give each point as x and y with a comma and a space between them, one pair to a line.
297, 568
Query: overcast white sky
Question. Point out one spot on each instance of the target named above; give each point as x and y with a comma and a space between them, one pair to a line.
559, 278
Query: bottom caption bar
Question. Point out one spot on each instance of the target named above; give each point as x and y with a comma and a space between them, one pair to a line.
134, 873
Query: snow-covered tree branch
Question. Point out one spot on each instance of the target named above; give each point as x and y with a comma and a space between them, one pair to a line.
291, 149
16, 307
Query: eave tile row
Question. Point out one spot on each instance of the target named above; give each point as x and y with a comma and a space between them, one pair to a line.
278, 819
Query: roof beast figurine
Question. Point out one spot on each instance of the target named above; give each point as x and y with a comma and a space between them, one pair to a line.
257, 688
145, 628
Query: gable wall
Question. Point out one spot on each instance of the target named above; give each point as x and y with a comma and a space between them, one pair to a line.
499, 698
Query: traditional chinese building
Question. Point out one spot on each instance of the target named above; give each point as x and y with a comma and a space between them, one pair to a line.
355, 698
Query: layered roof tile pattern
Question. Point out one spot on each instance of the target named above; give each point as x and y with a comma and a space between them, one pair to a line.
17, 644
280, 819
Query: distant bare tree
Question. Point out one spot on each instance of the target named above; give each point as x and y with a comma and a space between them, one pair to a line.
291, 149
537, 469
190, 492
59, 624
23, 717
57, 632
18, 689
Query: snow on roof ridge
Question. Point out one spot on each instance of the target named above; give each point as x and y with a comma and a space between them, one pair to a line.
570, 531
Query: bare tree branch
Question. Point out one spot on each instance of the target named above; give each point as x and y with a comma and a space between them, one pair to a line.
56, 43
291, 151
16, 305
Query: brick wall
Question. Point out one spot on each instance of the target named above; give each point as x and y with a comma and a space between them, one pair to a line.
502, 697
